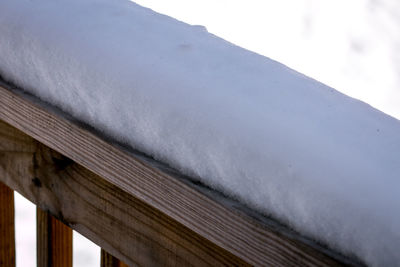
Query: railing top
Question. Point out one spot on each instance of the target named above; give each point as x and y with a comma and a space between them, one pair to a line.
228, 224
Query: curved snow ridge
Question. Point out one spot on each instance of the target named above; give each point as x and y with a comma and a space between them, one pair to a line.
287, 145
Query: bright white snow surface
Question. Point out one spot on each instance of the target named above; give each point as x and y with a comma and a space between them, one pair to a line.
324, 163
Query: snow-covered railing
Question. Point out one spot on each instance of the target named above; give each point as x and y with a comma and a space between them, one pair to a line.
134, 207
159, 116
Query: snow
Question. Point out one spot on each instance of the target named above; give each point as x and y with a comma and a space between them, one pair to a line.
324, 163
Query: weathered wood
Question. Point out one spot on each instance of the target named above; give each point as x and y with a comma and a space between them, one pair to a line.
61, 244
7, 232
108, 260
54, 241
207, 227
127, 227
43, 256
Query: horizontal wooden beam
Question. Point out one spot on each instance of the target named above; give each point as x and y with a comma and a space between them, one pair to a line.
120, 223
192, 222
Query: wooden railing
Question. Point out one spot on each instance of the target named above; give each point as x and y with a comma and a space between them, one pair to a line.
54, 239
132, 206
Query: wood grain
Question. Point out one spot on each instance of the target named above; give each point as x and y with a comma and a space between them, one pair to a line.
54, 241
128, 228
232, 230
108, 260
7, 232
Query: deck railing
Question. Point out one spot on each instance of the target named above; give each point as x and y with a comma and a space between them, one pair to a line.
133, 207
54, 239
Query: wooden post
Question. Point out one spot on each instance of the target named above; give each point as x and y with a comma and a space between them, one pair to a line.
108, 260
54, 241
7, 232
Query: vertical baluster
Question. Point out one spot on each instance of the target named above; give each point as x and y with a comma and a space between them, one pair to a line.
107, 260
54, 241
7, 231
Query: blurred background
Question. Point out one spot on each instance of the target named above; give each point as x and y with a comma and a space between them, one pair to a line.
349, 45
